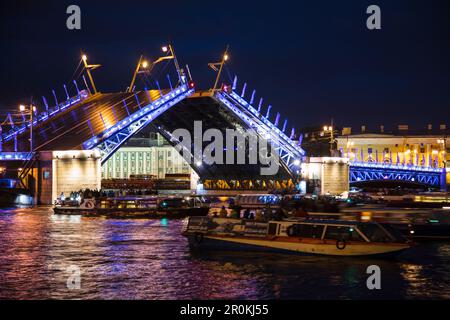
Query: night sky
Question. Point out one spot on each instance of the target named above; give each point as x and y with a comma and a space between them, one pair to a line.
312, 60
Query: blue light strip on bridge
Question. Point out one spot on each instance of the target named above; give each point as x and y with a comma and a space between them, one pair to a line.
395, 167
289, 151
15, 156
135, 122
45, 116
364, 172
255, 112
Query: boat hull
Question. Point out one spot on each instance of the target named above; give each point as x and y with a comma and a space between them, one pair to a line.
327, 248
133, 213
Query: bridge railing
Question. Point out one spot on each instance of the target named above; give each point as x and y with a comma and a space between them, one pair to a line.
289, 150
375, 165
44, 116
364, 172
111, 139
15, 156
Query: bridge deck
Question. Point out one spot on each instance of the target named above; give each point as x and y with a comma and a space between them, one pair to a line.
73, 126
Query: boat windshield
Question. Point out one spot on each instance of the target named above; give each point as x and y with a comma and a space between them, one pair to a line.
399, 237
376, 233
174, 203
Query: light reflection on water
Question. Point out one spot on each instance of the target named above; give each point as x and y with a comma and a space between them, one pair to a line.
148, 259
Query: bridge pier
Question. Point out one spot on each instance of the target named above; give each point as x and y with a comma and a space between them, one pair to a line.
326, 175
60, 172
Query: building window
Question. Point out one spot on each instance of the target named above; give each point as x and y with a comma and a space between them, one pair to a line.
370, 150
46, 175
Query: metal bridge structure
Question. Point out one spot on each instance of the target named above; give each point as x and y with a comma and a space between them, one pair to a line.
427, 176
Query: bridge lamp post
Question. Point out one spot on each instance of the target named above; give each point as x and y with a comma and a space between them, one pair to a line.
170, 56
142, 67
169, 49
88, 68
218, 67
31, 111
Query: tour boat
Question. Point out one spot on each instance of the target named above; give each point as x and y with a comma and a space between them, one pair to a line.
137, 207
302, 236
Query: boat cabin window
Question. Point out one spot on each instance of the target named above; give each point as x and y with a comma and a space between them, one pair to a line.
347, 233
174, 203
273, 228
398, 236
310, 231
375, 233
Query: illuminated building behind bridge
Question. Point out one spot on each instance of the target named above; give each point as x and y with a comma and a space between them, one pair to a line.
145, 156
416, 148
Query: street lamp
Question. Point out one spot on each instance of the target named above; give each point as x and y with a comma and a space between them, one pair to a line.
330, 130
31, 111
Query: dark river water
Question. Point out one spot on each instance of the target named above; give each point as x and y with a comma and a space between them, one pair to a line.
148, 259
